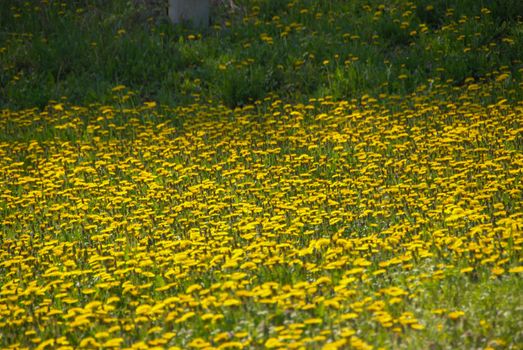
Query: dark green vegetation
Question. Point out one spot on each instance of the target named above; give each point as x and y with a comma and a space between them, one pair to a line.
79, 50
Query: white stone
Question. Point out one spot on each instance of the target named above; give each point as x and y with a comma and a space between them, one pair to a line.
195, 11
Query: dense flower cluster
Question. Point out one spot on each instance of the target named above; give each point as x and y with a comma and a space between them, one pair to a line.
274, 225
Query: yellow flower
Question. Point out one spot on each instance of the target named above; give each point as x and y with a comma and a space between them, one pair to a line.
310, 321
273, 343
113, 343
454, 315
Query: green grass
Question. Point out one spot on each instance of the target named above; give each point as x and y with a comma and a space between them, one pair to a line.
80, 49
492, 307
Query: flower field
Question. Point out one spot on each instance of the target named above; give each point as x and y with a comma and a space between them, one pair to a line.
355, 224
300, 175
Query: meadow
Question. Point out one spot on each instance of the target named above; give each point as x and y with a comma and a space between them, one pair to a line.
371, 209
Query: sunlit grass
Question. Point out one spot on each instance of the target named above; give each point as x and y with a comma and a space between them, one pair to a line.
391, 222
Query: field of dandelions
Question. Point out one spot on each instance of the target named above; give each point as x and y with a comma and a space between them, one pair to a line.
379, 221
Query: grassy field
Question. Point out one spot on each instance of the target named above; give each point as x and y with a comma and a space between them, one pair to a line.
301, 175
295, 49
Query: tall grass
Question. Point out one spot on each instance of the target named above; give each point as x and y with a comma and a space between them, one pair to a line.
296, 49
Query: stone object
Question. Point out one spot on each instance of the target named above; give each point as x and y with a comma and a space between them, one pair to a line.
194, 11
